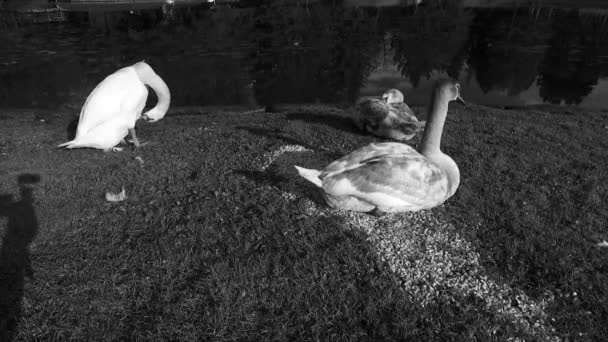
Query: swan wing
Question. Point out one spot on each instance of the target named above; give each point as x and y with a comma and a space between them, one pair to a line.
405, 110
103, 136
403, 123
393, 182
371, 113
355, 158
120, 94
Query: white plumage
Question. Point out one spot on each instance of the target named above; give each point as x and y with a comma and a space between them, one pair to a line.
113, 107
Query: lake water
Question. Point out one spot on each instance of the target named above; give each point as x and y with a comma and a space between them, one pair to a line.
310, 52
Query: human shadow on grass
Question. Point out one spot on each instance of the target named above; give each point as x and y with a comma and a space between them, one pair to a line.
15, 263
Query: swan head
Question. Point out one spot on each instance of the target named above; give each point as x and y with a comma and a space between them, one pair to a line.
153, 115
148, 77
450, 90
392, 96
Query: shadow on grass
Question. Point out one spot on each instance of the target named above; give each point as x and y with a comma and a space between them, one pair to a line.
272, 178
71, 129
263, 177
338, 122
15, 262
282, 175
274, 133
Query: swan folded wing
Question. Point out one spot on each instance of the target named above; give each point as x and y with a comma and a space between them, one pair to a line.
355, 158
133, 105
371, 113
373, 108
395, 181
402, 124
106, 101
103, 136
404, 109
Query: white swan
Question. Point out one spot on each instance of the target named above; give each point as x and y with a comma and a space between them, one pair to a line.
113, 107
391, 176
389, 118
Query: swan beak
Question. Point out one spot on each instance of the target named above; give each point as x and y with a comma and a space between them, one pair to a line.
461, 101
146, 118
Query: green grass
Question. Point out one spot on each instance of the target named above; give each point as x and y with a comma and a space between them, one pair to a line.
537, 179
207, 248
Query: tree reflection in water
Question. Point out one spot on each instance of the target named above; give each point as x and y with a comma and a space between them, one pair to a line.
432, 39
571, 66
506, 49
307, 54
301, 52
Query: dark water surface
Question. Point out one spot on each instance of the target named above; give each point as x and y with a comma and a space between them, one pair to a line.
307, 52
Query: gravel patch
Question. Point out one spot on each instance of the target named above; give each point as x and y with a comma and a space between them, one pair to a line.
433, 263
270, 157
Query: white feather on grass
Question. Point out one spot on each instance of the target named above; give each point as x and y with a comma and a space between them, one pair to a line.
604, 243
119, 197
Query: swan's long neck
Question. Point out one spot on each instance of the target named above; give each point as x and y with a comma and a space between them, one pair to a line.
150, 78
431, 139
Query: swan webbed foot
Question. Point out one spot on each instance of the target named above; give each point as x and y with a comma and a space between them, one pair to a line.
113, 149
134, 139
138, 144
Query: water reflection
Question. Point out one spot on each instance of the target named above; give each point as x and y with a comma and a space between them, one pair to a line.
506, 48
310, 54
432, 39
327, 51
572, 64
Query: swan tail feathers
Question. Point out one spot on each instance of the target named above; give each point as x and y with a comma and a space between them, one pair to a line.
77, 144
66, 144
310, 175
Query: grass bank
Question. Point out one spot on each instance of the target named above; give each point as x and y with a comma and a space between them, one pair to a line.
220, 240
